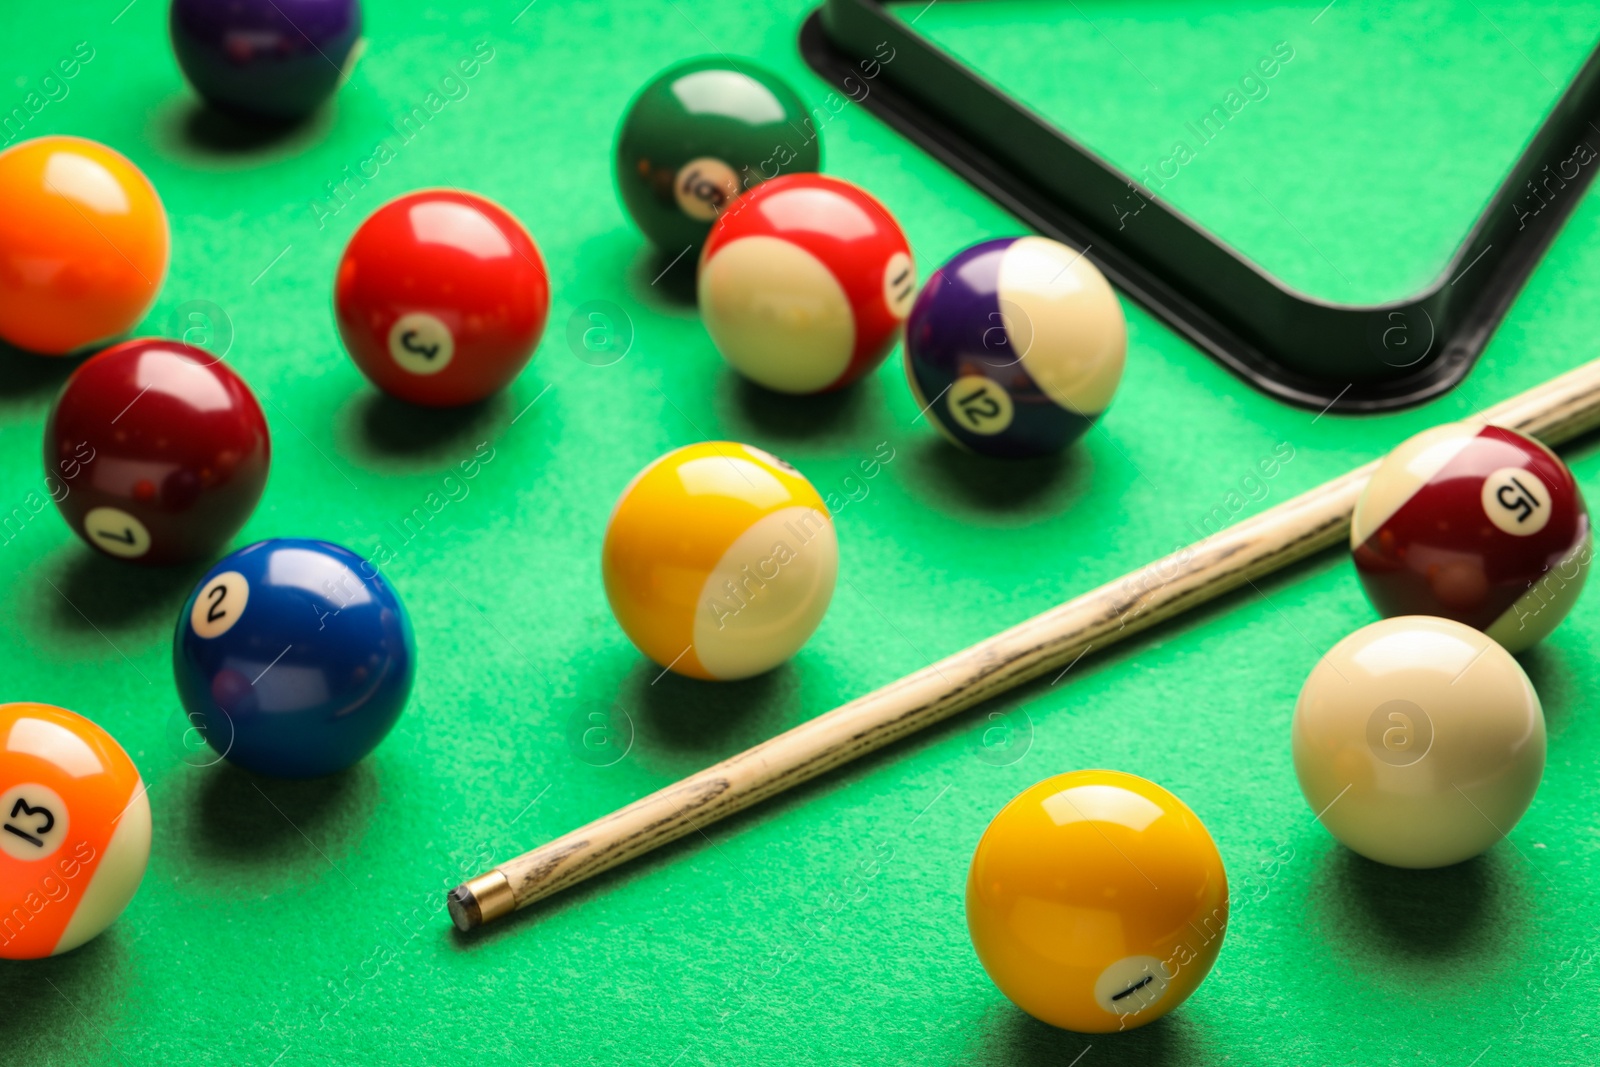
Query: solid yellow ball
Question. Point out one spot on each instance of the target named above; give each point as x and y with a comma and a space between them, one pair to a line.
1097, 901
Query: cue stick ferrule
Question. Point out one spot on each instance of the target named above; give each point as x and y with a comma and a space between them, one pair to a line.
483, 899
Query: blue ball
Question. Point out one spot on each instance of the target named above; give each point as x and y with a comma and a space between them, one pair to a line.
294, 658
1015, 347
272, 59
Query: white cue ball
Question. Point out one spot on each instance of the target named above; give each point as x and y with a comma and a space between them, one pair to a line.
1418, 741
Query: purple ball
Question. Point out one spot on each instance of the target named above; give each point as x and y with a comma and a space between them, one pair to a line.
1021, 394
273, 59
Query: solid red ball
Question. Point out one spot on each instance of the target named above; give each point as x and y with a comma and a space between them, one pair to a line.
441, 298
805, 282
156, 452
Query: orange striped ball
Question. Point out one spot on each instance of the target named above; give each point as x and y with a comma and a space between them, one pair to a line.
74, 830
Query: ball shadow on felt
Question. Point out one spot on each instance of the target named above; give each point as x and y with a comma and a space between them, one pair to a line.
1030, 1043
687, 716
94, 593
382, 425
29, 377
664, 279
46, 1020
1418, 914
187, 128
285, 829
982, 485
1554, 678
218, 131
754, 410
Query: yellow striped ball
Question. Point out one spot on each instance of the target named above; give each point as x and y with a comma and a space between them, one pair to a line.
719, 560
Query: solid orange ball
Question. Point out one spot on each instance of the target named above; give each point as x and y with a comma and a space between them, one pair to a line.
83, 245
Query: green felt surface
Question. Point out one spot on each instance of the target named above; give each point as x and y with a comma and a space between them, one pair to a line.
1352, 170
296, 924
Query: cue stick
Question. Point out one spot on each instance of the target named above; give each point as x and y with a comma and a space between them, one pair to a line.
1554, 412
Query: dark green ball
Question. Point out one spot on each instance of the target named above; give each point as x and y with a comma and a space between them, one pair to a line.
701, 133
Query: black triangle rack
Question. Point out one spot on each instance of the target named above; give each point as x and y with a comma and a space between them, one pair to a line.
1303, 350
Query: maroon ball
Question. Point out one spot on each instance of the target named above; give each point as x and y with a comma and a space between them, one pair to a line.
1478, 524
156, 452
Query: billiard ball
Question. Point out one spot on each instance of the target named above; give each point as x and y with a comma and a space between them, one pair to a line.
1015, 347
1097, 901
293, 658
700, 134
74, 830
1474, 523
265, 59
804, 283
719, 560
441, 297
156, 452
1418, 741
83, 245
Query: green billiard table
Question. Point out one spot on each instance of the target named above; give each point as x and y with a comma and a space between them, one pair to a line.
288, 923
